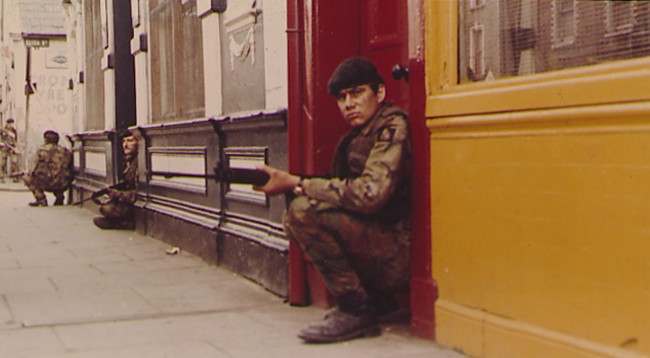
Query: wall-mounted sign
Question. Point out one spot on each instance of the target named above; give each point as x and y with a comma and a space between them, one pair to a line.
37, 43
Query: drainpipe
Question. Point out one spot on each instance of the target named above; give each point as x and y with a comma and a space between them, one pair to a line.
29, 90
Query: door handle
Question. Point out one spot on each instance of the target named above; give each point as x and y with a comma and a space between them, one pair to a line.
400, 72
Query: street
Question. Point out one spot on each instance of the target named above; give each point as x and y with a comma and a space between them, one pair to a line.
69, 289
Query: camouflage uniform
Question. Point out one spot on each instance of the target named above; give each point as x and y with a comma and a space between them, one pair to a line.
52, 172
9, 139
355, 225
120, 205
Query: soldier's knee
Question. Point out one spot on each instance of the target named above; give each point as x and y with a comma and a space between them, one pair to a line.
106, 210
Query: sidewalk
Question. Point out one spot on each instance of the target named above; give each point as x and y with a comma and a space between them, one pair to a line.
9, 185
68, 289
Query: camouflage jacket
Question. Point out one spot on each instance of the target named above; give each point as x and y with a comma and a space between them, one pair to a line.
52, 166
370, 171
128, 195
9, 137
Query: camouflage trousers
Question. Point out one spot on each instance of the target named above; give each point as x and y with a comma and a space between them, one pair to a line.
39, 189
117, 211
358, 257
13, 162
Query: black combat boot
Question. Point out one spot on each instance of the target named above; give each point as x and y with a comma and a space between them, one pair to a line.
59, 201
112, 224
39, 202
104, 223
341, 326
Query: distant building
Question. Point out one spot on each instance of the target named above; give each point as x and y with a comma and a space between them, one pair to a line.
34, 62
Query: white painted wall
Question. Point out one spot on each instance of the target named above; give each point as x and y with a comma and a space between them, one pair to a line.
140, 22
211, 59
274, 17
275, 53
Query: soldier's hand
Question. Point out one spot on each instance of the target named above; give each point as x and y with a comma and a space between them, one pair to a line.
279, 181
111, 193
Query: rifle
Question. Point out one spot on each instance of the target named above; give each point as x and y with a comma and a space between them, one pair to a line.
225, 175
10, 147
99, 193
16, 175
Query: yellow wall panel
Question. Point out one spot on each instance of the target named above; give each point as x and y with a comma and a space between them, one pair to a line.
547, 222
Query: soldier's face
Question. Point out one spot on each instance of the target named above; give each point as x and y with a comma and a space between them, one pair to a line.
130, 145
358, 104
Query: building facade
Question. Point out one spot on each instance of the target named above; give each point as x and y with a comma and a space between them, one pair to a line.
539, 178
203, 83
529, 129
35, 71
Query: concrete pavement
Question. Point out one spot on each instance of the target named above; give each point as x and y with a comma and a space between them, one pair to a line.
68, 289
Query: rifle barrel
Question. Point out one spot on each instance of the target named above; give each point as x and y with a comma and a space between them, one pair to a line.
181, 175
230, 175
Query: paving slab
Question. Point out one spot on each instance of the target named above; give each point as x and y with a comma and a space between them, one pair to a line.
69, 289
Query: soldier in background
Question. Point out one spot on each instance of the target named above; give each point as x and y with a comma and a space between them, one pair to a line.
8, 152
354, 225
117, 212
52, 171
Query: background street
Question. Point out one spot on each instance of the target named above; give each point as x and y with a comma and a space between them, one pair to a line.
68, 289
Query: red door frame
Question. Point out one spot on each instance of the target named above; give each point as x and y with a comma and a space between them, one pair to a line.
321, 33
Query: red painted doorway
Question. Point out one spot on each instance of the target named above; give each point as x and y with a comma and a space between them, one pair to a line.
384, 40
321, 33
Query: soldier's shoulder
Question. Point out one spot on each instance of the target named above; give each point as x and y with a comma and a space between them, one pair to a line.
392, 110
394, 116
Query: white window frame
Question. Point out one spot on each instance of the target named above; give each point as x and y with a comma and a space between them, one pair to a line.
567, 40
472, 55
626, 28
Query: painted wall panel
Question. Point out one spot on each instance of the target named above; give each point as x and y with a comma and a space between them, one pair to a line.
546, 221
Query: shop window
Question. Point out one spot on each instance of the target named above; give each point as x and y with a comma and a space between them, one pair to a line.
94, 41
476, 52
176, 49
620, 17
475, 4
524, 37
564, 22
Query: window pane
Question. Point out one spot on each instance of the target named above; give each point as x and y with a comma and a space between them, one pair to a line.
505, 38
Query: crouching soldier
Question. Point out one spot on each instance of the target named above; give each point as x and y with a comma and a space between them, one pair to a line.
52, 171
354, 225
117, 211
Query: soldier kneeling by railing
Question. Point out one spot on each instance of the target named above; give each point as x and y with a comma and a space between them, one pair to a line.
52, 171
116, 202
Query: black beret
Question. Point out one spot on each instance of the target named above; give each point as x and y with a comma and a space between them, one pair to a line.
51, 136
10, 120
124, 133
352, 72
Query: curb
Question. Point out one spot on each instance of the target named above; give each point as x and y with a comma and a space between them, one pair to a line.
13, 188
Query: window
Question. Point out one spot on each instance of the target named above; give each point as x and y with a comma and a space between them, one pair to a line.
620, 17
476, 53
509, 38
564, 22
176, 50
475, 4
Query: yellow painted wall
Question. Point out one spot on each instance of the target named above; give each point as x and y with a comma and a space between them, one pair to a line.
540, 207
